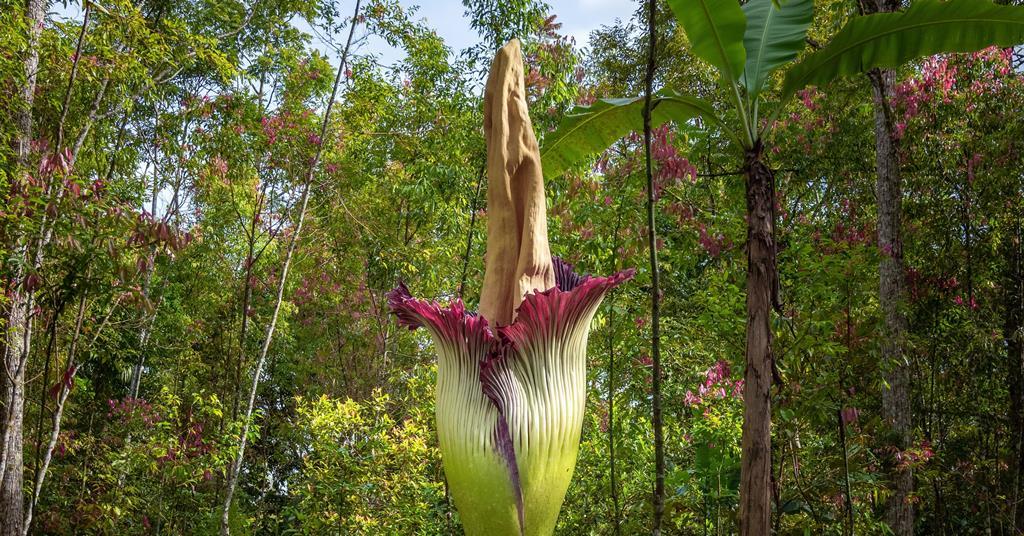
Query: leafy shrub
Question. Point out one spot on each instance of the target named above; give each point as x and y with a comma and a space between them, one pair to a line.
366, 471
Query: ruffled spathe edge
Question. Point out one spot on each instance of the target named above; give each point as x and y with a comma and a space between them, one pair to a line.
446, 322
560, 306
571, 292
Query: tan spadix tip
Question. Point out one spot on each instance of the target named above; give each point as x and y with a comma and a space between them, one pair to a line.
518, 259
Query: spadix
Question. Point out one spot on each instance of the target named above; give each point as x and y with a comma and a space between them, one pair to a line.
511, 382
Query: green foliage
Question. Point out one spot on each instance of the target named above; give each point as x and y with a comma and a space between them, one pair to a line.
775, 36
499, 21
365, 471
891, 39
716, 30
140, 466
591, 128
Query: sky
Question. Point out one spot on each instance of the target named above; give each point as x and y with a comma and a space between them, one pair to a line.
578, 18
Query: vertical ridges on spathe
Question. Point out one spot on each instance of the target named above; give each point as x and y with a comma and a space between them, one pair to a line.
510, 401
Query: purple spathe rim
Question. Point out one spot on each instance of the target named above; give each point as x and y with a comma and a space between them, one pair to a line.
571, 290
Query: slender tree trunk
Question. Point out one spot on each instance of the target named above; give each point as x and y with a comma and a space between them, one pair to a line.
480, 178
149, 271
11, 497
64, 390
612, 386
896, 411
652, 246
892, 298
236, 466
250, 261
612, 476
19, 331
846, 474
150, 268
1013, 332
246, 301
20, 317
51, 345
756, 460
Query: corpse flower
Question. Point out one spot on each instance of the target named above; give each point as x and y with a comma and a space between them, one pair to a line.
511, 381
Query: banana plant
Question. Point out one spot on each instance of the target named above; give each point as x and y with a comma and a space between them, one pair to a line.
746, 45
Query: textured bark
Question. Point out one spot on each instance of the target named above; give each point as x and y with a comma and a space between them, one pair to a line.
19, 327
652, 248
518, 259
11, 498
756, 466
892, 296
34, 13
892, 290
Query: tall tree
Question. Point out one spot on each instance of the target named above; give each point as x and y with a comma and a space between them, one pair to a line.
652, 246
19, 329
896, 409
1013, 333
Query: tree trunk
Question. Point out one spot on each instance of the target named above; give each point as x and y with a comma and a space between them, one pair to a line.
891, 296
18, 327
236, 465
756, 466
150, 268
612, 388
1013, 331
250, 261
652, 247
11, 498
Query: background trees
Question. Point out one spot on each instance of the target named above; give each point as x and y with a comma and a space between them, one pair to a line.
147, 219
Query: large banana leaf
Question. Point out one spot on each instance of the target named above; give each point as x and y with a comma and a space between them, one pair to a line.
715, 30
591, 129
775, 35
890, 39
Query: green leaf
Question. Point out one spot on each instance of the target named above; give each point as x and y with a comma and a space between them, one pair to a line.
775, 35
591, 129
890, 39
715, 29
